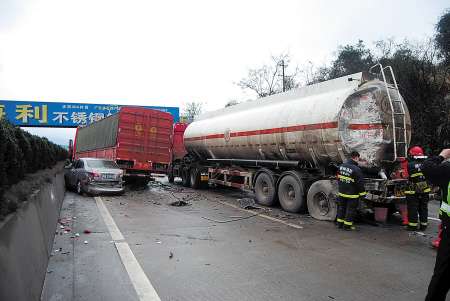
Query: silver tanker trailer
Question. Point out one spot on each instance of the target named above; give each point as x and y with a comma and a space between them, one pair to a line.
286, 147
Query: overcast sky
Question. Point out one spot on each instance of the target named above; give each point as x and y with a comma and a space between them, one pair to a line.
145, 52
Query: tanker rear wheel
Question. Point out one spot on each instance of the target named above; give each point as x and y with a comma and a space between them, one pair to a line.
185, 178
321, 200
170, 176
291, 193
194, 178
265, 189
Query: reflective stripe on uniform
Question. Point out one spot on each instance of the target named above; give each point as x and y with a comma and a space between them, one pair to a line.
417, 174
427, 190
448, 193
349, 196
346, 178
410, 192
362, 193
445, 208
340, 220
348, 223
412, 224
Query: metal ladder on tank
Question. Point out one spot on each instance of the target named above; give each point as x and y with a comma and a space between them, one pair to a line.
398, 112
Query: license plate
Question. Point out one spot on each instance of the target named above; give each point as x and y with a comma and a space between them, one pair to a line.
108, 176
204, 178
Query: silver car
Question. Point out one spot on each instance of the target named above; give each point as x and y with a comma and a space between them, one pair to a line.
94, 176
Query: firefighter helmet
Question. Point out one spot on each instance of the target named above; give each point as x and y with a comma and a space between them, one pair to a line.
415, 151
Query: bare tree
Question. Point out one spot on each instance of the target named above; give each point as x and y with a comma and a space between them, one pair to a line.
191, 111
268, 80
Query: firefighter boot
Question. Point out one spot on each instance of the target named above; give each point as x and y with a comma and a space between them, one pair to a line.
423, 226
348, 226
412, 226
339, 223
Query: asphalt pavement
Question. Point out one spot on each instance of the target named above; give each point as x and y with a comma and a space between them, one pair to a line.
140, 247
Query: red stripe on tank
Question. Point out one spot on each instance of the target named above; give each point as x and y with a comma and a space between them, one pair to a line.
289, 129
365, 126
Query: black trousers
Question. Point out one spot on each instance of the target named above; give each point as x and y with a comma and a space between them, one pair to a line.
346, 209
417, 206
440, 281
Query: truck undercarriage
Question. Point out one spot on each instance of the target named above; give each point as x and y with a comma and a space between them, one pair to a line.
298, 188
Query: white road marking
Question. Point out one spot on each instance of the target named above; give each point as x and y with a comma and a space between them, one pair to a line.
141, 283
263, 215
112, 227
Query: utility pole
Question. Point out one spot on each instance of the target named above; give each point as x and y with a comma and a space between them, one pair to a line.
283, 66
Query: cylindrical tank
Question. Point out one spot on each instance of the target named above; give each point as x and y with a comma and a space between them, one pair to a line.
318, 124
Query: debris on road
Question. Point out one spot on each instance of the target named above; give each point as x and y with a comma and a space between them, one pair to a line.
77, 234
417, 233
247, 203
166, 187
179, 203
87, 231
85, 242
231, 220
170, 255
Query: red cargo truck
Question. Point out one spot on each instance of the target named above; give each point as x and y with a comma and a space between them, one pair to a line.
137, 139
178, 149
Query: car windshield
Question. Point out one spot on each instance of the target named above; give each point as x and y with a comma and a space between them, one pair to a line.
101, 164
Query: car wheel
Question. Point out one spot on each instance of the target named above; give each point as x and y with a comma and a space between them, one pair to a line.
66, 183
79, 188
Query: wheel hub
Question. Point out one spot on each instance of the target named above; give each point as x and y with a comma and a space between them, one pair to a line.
323, 202
291, 194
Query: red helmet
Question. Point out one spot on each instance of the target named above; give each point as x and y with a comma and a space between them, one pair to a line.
415, 151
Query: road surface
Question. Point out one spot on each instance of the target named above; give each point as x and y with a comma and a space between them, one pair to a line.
142, 248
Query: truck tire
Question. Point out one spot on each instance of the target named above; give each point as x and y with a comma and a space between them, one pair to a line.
185, 178
265, 189
321, 200
291, 192
171, 177
194, 178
